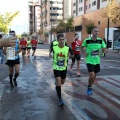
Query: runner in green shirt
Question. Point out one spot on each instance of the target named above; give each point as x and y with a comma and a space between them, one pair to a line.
60, 62
93, 46
28, 46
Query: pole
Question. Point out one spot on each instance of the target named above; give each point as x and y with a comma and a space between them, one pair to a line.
51, 25
108, 33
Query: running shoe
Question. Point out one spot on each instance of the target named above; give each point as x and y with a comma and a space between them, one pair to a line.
78, 73
61, 102
89, 91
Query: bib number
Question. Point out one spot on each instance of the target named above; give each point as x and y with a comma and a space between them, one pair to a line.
60, 63
94, 53
77, 48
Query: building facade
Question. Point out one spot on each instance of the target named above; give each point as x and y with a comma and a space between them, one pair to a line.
34, 16
85, 11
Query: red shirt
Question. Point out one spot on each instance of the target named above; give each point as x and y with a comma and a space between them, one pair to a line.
23, 43
76, 46
34, 43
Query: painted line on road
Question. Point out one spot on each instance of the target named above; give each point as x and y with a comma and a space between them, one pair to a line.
111, 60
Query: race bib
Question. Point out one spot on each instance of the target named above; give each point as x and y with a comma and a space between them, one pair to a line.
60, 63
77, 48
94, 53
23, 46
10, 53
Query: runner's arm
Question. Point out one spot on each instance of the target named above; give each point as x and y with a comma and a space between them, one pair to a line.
71, 52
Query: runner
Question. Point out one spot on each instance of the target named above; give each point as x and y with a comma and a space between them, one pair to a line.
76, 44
34, 45
60, 61
28, 46
93, 46
23, 44
14, 64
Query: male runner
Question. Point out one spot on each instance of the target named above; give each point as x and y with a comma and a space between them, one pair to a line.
93, 46
60, 62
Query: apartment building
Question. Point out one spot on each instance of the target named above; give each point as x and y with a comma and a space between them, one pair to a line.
34, 16
67, 9
81, 7
85, 11
51, 11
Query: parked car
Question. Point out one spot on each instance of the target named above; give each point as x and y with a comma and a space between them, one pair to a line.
40, 41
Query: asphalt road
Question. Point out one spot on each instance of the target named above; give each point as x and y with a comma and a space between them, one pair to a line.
35, 97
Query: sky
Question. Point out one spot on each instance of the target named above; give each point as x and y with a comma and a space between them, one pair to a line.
20, 23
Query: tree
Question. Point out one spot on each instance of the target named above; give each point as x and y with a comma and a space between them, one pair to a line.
89, 27
40, 32
112, 11
24, 34
69, 24
61, 26
6, 20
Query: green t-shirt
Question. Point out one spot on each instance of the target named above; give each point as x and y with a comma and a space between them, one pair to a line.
60, 57
93, 50
28, 43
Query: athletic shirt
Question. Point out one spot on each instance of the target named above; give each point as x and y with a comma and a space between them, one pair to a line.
55, 43
34, 43
16, 49
76, 46
23, 43
28, 43
60, 57
93, 50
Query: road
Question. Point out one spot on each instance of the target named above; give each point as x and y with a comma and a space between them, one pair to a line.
35, 97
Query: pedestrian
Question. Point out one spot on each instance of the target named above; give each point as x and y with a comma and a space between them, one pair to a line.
14, 64
23, 44
54, 43
103, 52
34, 45
60, 61
76, 46
28, 46
93, 46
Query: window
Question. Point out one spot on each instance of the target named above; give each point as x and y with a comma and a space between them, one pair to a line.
73, 11
80, 1
94, 3
104, 0
81, 9
89, 6
74, 4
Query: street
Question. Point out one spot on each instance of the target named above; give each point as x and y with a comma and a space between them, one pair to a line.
35, 97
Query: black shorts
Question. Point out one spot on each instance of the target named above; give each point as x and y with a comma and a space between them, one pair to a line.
93, 68
33, 48
23, 48
11, 63
62, 74
28, 48
76, 56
